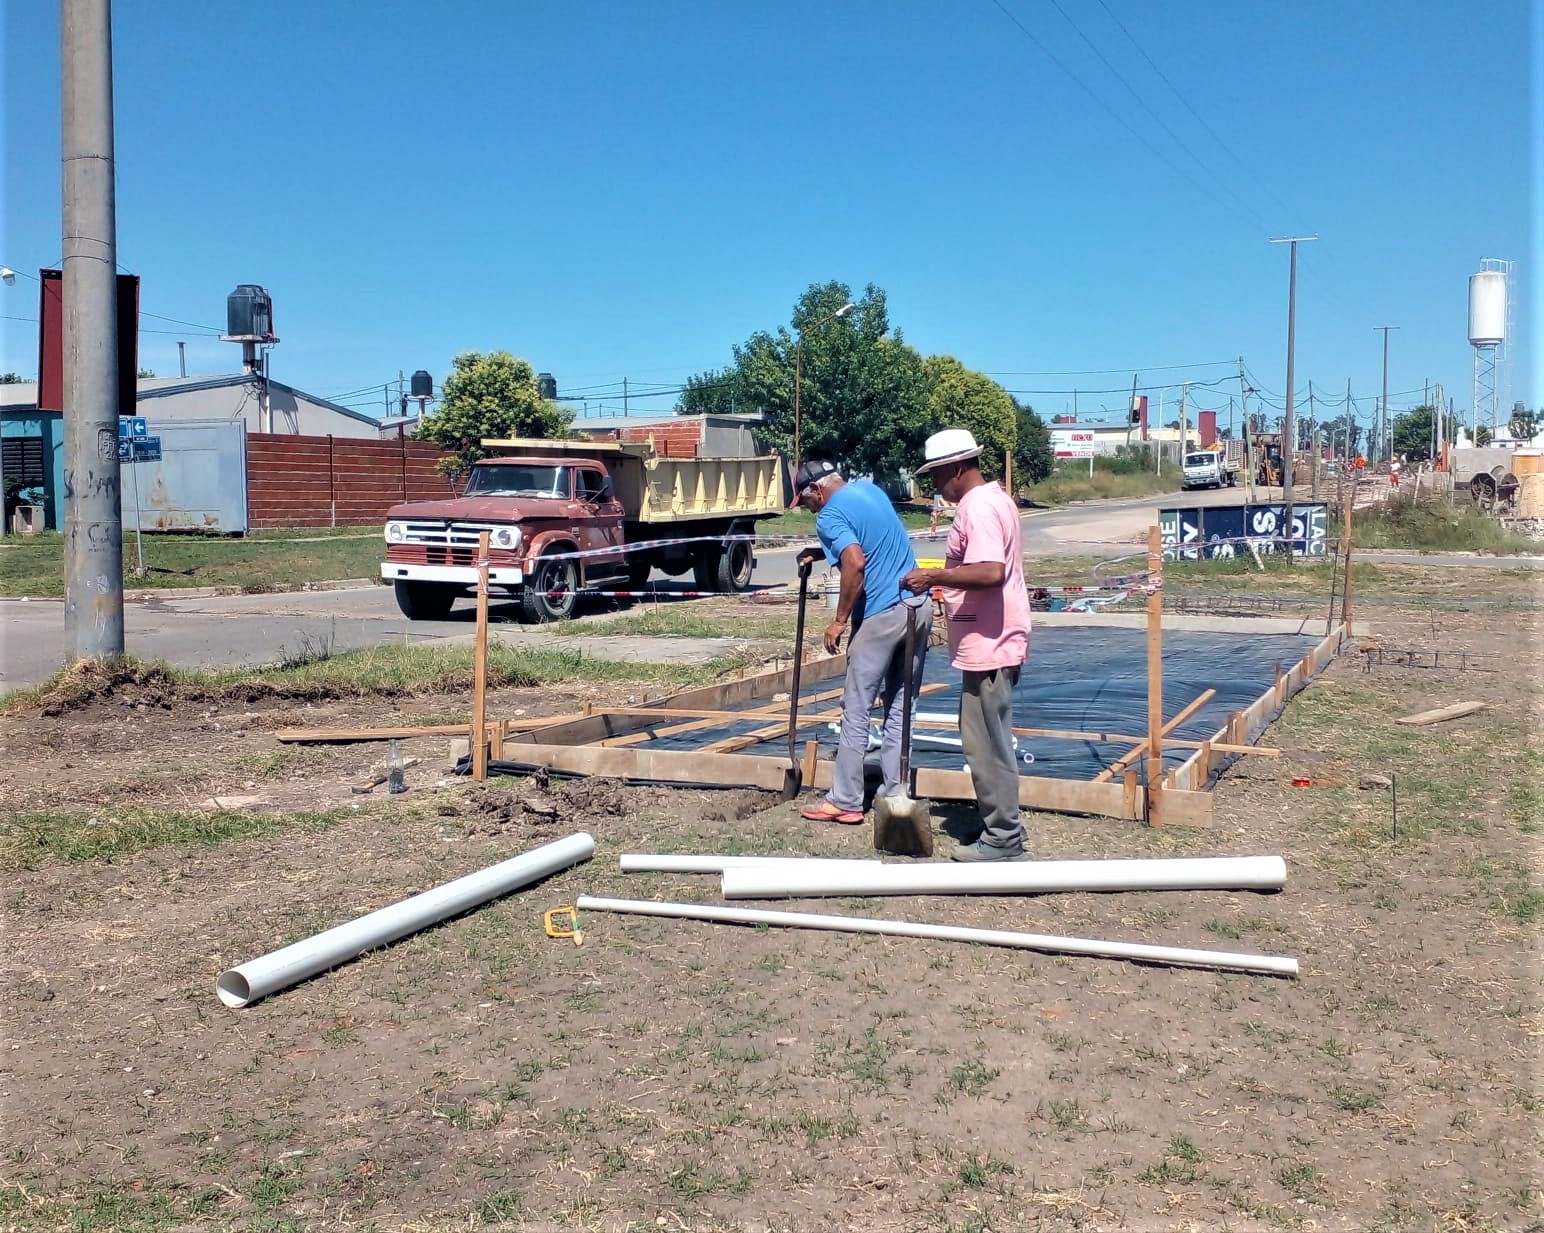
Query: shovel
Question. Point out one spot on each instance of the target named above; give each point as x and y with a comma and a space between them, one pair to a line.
903, 826
793, 775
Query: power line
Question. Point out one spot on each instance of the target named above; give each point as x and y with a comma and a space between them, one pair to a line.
1119, 119
1142, 102
1184, 102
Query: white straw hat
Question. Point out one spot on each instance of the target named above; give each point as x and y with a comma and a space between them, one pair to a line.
950, 445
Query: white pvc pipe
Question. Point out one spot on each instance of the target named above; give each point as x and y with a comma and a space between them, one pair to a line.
257, 978
1264, 964
641, 862
1009, 877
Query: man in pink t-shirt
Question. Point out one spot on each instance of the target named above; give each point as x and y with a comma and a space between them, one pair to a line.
987, 606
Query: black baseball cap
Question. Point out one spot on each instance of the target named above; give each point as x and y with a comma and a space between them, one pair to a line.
809, 471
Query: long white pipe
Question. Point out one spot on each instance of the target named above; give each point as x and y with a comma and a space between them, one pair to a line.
1008, 877
1265, 964
642, 862
257, 978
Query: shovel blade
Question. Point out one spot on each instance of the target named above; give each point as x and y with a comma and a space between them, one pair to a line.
902, 826
793, 782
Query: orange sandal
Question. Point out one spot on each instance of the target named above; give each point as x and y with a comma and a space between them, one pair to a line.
827, 812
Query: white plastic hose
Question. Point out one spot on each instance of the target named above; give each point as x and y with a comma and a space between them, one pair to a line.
640, 862
1264, 964
257, 978
1008, 877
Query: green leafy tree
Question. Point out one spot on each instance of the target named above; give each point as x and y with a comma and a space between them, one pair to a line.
1032, 457
861, 393
1483, 435
1524, 425
489, 395
144, 374
1412, 432
11, 378
958, 397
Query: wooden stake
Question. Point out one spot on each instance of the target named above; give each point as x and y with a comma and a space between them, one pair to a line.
480, 666
1154, 674
1345, 534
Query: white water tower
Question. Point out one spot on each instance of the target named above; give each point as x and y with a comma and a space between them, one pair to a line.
1489, 322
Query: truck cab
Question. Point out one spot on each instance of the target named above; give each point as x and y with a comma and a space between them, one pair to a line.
539, 513
1206, 469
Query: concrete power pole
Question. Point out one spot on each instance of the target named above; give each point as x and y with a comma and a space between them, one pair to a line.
1385, 446
1288, 430
93, 529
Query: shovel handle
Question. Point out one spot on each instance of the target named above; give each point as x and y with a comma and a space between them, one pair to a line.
798, 663
908, 695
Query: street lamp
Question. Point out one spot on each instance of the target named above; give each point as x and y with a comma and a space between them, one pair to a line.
845, 310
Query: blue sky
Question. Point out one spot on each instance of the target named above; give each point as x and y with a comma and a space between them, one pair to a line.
626, 191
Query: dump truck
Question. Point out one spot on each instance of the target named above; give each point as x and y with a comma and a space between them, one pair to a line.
1209, 468
567, 516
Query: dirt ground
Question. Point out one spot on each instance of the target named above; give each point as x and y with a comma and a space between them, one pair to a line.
692, 1076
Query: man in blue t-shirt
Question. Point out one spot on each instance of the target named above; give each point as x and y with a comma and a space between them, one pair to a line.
862, 537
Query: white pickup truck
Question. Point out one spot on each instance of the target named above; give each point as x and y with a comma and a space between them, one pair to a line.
1208, 469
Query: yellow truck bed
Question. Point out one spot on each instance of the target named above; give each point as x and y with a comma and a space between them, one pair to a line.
665, 490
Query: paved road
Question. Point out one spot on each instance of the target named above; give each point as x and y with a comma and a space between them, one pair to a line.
248, 630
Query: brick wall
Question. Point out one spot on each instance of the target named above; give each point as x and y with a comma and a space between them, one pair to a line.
295, 481
672, 440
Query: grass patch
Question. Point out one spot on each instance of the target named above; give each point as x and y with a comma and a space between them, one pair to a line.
32, 839
260, 561
1433, 526
1071, 482
383, 672
680, 621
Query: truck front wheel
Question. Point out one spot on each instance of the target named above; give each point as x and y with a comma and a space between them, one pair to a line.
424, 601
549, 593
735, 563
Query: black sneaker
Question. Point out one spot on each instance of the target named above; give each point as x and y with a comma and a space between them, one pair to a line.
983, 851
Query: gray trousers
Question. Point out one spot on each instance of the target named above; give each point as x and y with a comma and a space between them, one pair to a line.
876, 657
986, 732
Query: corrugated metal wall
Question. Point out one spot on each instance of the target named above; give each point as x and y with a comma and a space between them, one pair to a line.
300, 481
200, 484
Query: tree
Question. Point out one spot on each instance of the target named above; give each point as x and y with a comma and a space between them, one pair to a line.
861, 393
1524, 425
1032, 457
1412, 432
11, 378
958, 397
489, 395
1483, 435
145, 373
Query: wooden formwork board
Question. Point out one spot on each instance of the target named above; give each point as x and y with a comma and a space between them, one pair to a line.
615, 743
1244, 726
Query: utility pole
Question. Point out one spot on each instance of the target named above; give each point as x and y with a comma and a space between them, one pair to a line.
1385, 446
624, 398
93, 531
1313, 441
182, 358
1288, 432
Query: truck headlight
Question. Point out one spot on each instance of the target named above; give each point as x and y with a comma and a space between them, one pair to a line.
505, 537
396, 532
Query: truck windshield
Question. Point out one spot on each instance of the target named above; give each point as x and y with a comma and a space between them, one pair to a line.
518, 480
1200, 460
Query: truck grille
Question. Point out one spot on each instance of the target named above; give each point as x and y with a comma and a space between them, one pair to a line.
437, 533
436, 542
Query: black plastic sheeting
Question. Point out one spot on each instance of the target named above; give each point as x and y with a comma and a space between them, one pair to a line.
1083, 678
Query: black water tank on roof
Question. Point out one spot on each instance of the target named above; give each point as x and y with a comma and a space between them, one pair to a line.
422, 384
547, 386
249, 313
